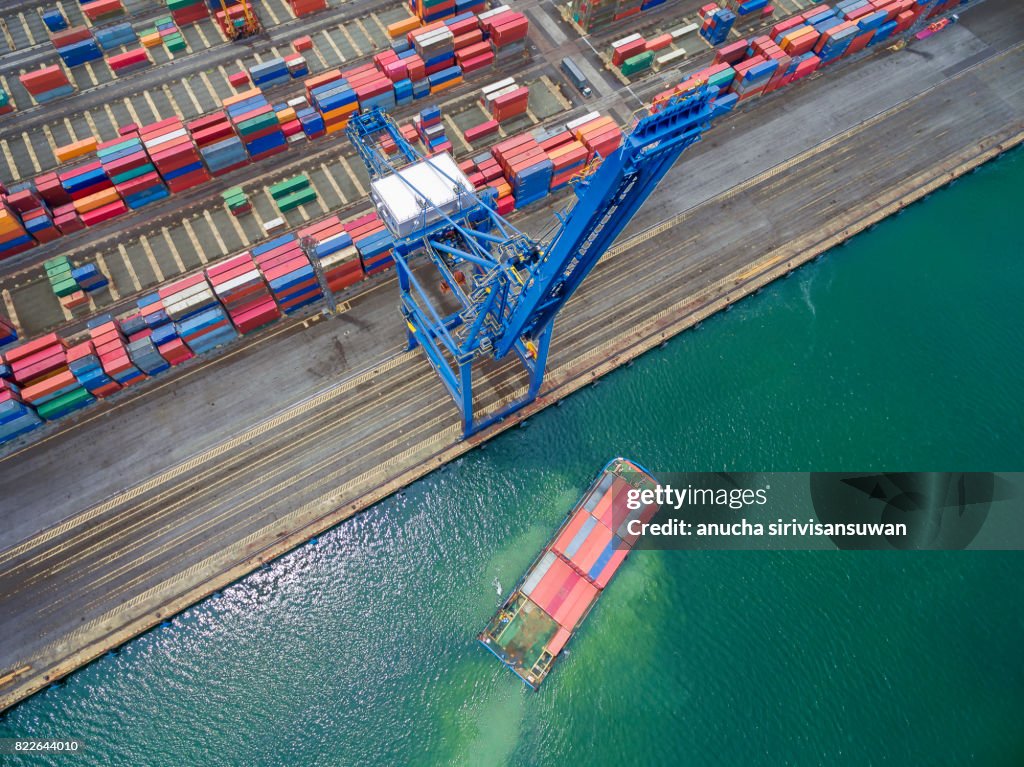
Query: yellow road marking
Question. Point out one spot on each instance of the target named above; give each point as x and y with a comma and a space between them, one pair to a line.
173, 250
151, 257
130, 267
101, 262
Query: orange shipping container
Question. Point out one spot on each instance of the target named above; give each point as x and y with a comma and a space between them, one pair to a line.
77, 149
97, 200
403, 26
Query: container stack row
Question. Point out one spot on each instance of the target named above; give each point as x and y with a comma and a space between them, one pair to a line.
597, 15
431, 130
240, 287
503, 100
800, 45
293, 281
249, 128
337, 255
188, 11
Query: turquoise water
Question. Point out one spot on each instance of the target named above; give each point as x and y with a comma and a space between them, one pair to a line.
899, 351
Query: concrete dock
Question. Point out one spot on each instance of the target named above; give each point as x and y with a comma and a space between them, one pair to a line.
166, 496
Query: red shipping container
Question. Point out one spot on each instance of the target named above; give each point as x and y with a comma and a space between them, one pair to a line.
66, 37
98, 8
479, 131
464, 26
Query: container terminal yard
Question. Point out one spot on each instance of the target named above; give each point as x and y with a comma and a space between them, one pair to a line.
122, 513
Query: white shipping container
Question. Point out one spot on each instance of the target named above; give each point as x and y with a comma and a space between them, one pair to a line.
668, 58
626, 40
493, 12
574, 124
498, 85
164, 138
683, 31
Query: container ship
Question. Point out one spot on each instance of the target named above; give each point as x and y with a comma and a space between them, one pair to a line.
562, 585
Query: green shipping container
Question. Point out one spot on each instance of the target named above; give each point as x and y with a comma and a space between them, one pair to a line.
64, 403
65, 287
723, 78
637, 63
284, 188
174, 43
295, 199
128, 175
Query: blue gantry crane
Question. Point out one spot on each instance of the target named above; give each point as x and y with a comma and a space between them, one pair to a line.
506, 287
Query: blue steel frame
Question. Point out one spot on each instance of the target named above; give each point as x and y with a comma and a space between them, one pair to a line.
520, 284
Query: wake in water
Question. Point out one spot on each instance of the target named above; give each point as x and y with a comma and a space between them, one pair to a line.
805, 288
497, 586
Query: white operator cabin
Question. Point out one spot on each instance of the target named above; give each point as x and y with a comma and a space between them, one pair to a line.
414, 197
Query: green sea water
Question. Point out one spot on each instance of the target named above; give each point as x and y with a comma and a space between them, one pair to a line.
899, 351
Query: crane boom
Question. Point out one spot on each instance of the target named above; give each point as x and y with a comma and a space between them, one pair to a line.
502, 288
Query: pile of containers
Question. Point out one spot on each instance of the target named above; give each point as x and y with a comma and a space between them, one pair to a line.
199, 318
68, 282
241, 289
128, 166
304, 7
43, 380
161, 330
112, 352
188, 11
98, 9
84, 362
333, 99
472, 52
129, 61
54, 20
115, 36
255, 122
16, 417
47, 84
339, 260
169, 34
292, 193
373, 242
717, 23
434, 10
596, 15
270, 73
237, 203
76, 45
287, 270
526, 166
34, 214
431, 130
504, 100
173, 153
506, 31
14, 237
219, 146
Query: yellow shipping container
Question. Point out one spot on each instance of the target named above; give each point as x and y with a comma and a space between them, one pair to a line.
286, 115
9, 223
151, 41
